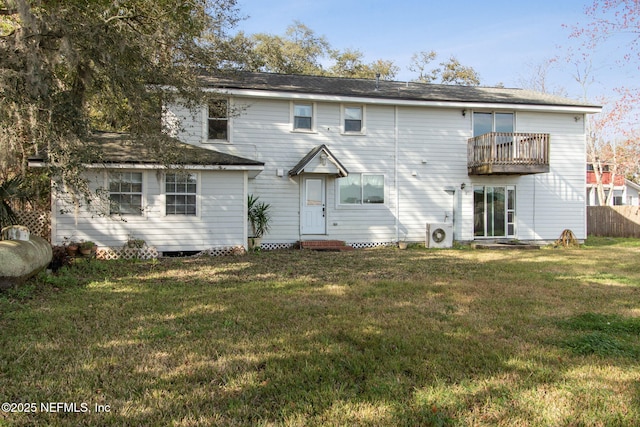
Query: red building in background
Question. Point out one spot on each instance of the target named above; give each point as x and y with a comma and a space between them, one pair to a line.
625, 192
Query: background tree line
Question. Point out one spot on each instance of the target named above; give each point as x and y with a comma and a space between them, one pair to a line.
301, 51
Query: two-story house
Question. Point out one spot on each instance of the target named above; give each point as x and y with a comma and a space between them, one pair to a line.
364, 161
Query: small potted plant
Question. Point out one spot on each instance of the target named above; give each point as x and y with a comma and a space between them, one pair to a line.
133, 243
134, 247
259, 217
87, 248
71, 247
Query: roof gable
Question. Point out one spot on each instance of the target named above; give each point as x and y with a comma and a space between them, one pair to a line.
319, 160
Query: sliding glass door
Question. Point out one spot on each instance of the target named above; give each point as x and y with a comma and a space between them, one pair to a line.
494, 211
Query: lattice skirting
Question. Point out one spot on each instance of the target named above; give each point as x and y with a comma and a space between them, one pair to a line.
276, 246
224, 251
38, 222
152, 253
127, 253
368, 245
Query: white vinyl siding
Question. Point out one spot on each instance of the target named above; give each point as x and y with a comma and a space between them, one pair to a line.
432, 166
422, 154
220, 223
279, 148
554, 201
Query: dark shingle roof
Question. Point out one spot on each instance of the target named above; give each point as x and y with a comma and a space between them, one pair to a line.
120, 148
369, 88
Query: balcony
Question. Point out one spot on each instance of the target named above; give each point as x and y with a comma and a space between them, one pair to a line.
505, 153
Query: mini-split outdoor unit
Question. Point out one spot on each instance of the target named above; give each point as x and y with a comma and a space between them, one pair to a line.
439, 235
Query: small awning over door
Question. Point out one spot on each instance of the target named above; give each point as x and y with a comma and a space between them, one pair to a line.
320, 160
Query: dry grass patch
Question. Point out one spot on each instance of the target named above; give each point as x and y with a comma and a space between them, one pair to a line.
370, 337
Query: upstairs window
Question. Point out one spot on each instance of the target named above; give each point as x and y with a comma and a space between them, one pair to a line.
353, 119
125, 193
181, 193
492, 122
218, 120
361, 189
303, 117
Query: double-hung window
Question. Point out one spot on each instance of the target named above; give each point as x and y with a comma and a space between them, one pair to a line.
361, 189
218, 120
494, 211
353, 119
303, 117
125, 193
181, 192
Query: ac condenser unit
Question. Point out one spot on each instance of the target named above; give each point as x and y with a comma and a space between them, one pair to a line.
439, 235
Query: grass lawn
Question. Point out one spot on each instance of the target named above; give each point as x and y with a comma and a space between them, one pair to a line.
377, 337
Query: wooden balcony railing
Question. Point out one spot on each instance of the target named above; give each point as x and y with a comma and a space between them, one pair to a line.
504, 153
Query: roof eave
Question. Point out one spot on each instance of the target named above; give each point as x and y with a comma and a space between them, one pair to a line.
253, 169
284, 95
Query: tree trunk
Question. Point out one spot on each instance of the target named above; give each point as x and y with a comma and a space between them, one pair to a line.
597, 172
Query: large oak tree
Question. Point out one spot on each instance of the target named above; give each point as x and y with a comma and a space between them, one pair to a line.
69, 65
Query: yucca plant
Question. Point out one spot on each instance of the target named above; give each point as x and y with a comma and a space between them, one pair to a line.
258, 216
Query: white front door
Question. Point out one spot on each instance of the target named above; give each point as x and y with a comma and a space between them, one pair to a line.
312, 214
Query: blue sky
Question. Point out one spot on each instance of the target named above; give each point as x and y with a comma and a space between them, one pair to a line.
499, 39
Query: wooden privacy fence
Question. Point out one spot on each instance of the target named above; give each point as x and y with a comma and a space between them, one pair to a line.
613, 221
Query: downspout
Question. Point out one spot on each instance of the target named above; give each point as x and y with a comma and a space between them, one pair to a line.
535, 231
53, 232
395, 171
245, 195
300, 202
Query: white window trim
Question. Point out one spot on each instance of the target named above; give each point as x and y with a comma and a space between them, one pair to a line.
314, 115
181, 217
360, 206
363, 129
205, 125
143, 203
